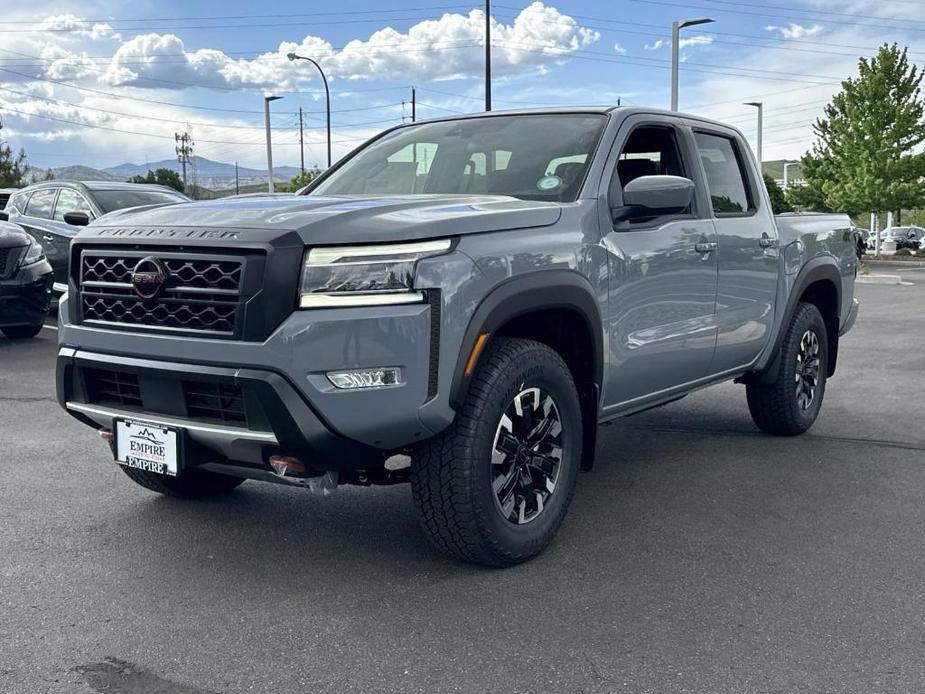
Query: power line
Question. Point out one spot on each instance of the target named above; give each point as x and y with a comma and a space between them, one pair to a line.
710, 8
247, 16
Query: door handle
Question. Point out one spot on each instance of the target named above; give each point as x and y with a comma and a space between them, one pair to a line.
704, 247
767, 242
48, 238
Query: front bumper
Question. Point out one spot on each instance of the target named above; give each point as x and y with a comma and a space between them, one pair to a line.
25, 299
274, 418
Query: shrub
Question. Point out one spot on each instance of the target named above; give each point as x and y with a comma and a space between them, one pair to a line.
903, 251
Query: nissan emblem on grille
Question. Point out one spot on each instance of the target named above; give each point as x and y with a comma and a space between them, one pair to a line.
148, 277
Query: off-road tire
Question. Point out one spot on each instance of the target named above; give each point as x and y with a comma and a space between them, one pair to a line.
773, 406
22, 332
451, 474
190, 484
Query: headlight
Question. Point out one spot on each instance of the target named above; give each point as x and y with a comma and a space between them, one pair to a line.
34, 254
364, 275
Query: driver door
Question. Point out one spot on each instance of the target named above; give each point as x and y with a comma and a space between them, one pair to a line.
662, 274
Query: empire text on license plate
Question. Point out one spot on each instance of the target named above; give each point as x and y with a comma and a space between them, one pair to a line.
147, 446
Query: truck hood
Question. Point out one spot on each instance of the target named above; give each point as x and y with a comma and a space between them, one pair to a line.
325, 220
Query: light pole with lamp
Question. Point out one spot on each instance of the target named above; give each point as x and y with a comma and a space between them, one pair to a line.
327, 95
675, 52
760, 106
266, 118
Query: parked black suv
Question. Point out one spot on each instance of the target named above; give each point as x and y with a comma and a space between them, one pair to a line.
25, 283
52, 212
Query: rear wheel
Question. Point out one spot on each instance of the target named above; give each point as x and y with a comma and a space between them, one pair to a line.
190, 484
22, 332
790, 404
495, 486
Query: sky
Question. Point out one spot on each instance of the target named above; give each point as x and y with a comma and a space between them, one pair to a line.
100, 82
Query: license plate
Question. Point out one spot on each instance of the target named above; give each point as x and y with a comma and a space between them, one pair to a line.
147, 446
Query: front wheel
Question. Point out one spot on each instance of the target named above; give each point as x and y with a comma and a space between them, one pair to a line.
22, 332
189, 484
789, 404
494, 487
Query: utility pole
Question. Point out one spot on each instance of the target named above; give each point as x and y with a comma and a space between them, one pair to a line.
301, 144
488, 55
266, 119
414, 99
237, 189
184, 147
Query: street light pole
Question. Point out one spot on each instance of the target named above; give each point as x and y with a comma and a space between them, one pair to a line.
266, 119
327, 95
787, 166
676, 52
760, 106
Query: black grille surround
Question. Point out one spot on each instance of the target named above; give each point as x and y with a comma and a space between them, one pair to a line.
204, 293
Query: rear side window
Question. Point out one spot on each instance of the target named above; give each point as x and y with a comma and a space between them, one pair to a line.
18, 202
725, 172
41, 203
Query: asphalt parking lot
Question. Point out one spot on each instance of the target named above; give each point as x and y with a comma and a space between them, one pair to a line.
699, 556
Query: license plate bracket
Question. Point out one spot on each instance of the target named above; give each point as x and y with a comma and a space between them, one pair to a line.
148, 446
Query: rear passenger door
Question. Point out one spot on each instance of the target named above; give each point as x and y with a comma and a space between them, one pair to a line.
748, 249
661, 319
37, 220
69, 200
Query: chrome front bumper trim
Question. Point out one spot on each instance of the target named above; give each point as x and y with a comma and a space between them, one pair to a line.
233, 443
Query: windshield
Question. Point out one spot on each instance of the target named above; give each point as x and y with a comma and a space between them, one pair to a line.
111, 200
533, 157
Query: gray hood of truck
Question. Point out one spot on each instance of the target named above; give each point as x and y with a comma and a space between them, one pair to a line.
325, 220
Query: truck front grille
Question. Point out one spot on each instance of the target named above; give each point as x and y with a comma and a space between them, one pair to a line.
200, 294
200, 401
216, 401
106, 387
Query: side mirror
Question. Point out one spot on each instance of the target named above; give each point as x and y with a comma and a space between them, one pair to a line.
652, 196
4, 216
76, 219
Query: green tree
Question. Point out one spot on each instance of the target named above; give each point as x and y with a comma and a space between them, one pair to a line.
867, 155
300, 181
809, 196
162, 177
779, 202
13, 169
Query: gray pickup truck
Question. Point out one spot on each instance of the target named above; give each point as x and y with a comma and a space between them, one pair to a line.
458, 303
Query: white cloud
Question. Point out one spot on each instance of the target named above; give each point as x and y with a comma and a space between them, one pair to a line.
620, 50
445, 48
70, 26
686, 42
698, 40
794, 31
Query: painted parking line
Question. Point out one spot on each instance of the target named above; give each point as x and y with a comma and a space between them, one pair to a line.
50, 327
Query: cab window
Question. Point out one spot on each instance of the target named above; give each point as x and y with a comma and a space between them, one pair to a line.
41, 203
725, 172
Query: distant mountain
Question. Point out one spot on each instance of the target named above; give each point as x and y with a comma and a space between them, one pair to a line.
204, 169
82, 173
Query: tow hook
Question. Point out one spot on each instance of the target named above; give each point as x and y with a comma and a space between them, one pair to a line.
293, 471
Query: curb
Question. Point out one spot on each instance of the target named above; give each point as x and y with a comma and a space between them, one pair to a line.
880, 279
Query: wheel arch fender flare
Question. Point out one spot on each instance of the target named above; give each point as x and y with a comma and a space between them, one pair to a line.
821, 268
523, 294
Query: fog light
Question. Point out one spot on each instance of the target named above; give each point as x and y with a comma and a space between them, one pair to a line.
366, 378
